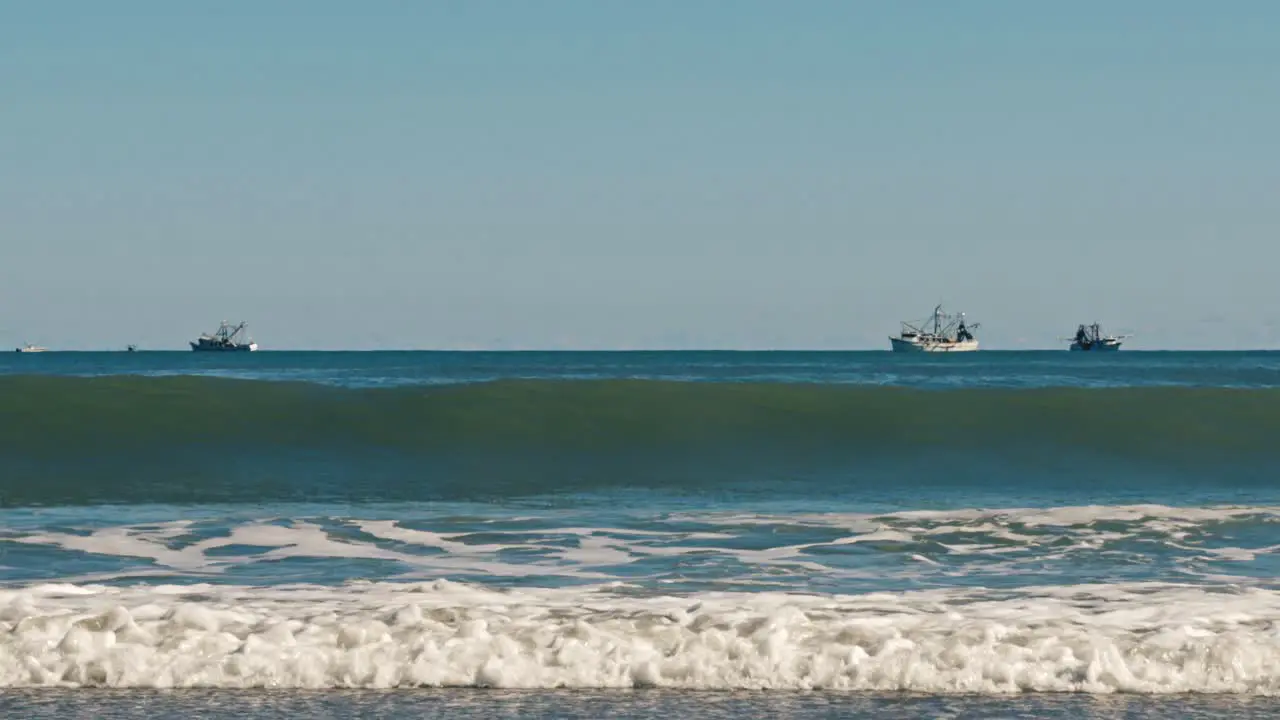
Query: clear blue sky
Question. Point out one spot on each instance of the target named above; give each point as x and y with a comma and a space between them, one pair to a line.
665, 173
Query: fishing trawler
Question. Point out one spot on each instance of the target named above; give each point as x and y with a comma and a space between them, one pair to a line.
29, 348
227, 338
1089, 338
941, 333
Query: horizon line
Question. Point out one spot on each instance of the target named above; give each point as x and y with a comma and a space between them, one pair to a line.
46, 350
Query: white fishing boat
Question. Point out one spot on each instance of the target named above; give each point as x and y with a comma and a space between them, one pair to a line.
227, 338
1089, 338
940, 333
29, 348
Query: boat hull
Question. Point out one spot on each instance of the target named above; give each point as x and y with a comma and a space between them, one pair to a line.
1096, 347
901, 345
250, 347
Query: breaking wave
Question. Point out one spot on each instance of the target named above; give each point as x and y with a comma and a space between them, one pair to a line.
1141, 638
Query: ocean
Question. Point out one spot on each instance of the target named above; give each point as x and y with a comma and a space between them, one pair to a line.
595, 534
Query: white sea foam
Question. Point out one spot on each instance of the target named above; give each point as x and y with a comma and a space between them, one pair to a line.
1003, 531
1067, 516
794, 549
1102, 638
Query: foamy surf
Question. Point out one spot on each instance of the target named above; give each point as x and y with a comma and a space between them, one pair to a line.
1139, 638
685, 552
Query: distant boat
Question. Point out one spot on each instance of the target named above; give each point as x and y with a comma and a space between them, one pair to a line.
29, 348
227, 338
941, 333
131, 348
1089, 338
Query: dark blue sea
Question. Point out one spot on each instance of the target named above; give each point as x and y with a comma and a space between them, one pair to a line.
714, 534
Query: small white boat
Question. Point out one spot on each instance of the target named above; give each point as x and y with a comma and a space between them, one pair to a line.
225, 339
29, 348
1089, 338
941, 333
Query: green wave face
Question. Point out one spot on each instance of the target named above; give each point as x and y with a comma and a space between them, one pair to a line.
178, 439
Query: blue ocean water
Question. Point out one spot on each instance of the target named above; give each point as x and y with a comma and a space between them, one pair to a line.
985, 369
986, 525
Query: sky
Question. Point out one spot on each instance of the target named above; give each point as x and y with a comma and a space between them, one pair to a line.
602, 174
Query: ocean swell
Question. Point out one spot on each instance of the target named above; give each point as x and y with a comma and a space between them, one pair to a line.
197, 439
142, 411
